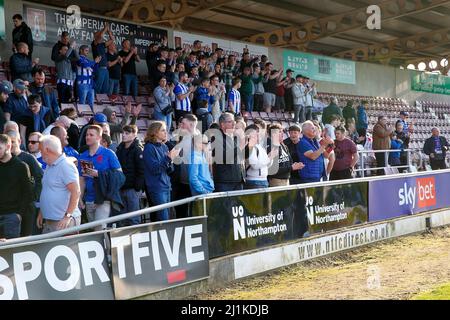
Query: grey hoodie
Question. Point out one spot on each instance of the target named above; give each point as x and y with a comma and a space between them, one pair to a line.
64, 65
116, 127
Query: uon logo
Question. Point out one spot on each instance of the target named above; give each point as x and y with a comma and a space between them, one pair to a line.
238, 223
310, 209
425, 189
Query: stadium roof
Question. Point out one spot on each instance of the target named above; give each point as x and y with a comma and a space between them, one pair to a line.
411, 30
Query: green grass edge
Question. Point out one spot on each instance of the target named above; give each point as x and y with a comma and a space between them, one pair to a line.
441, 292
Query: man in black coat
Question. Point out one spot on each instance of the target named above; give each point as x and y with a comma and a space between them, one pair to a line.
21, 33
228, 157
436, 147
129, 153
16, 184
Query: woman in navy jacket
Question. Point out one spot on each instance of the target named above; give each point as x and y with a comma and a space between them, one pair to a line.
157, 166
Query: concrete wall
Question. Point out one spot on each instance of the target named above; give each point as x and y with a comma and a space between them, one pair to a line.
371, 80
238, 266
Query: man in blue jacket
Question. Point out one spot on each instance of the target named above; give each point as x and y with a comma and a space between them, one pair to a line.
20, 63
16, 105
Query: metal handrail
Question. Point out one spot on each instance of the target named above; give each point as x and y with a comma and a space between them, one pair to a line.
386, 158
90, 225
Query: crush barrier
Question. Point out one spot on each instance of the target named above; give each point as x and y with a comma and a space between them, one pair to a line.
231, 235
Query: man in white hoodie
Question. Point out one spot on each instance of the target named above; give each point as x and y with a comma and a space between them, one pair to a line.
257, 160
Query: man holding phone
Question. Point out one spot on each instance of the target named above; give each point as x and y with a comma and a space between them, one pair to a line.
92, 163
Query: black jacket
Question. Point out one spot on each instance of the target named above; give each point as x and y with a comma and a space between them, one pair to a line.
132, 163
107, 188
282, 170
23, 33
232, 172
294, 154
16, 187
428, 147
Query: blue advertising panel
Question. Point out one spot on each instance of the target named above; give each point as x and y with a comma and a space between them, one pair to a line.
393, 198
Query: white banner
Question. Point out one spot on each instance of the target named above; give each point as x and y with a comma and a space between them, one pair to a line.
209, 44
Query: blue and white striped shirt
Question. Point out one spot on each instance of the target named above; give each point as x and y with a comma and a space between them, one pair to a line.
185, 104
85, 69
234, 98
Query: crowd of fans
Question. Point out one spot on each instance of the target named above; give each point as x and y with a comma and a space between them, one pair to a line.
51, 170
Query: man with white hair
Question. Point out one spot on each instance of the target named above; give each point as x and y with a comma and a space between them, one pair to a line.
10, 126
61, 121
60, 189
312, 154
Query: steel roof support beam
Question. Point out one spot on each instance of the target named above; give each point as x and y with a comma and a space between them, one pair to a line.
398, 47
156, 11
331, 25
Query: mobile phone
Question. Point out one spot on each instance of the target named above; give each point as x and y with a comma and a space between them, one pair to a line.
86, 165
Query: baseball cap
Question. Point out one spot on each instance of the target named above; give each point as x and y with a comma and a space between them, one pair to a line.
8, 84
4, 89
100, 118
289, 70
403, 113
19, 84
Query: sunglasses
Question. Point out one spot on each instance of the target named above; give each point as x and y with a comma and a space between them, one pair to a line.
33, 142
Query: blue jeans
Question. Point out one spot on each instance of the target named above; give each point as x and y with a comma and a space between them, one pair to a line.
166, 118
85, 92
299, 113
248, 101
10, 225
102, 80
256, 184
130, 80
160, 198
130, 199
114, 86
227, 186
